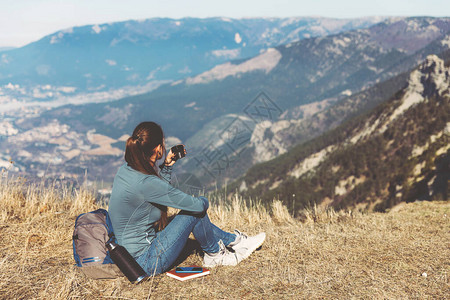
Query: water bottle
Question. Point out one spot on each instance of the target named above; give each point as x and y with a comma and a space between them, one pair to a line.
126, 263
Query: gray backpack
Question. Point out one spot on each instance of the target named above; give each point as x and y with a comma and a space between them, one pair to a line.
92, 231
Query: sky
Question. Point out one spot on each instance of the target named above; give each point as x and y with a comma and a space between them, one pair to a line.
25, 21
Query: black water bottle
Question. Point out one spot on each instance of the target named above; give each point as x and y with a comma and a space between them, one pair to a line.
126, 263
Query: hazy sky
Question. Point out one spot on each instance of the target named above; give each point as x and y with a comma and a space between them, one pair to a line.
24, 21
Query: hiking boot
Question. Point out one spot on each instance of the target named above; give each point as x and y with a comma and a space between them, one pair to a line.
244, 245
222, 258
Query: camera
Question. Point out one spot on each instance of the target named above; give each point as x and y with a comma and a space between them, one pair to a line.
178, 150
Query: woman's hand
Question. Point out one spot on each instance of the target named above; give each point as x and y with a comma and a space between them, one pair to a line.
170, 158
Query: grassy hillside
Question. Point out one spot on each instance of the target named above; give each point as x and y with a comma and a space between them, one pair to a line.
323, 254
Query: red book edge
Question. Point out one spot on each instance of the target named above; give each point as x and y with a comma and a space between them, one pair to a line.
187, 276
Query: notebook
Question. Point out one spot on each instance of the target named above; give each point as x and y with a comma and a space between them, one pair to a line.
187, 276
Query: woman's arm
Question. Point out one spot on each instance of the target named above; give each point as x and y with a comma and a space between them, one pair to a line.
156, 190
166, 173
166, 170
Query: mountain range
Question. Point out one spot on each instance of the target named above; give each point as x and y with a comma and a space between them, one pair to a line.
104, 62
398, 151
284, 96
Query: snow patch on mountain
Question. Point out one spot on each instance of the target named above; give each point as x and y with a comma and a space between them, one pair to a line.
59, 96
237, 38
104, 144
375, 69
446, 41
289, 21
342, 42
39, 94
431, 74
96, 28
266, 142
413, 96
311, 162
263, 62
7, 165
348, 184
56, 38
419, 150
227, 53
443, 150
7, 128
366, 131
438, 75
192, 104
12, 87
347, 93
441, 74
41, 134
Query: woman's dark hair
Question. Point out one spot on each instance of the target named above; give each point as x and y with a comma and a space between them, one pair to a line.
140, 147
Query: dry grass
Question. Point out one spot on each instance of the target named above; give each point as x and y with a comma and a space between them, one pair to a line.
326, 255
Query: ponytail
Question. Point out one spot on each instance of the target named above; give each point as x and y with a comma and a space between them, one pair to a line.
139, 148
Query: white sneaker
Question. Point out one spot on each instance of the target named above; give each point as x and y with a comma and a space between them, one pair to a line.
222, 258
245, 245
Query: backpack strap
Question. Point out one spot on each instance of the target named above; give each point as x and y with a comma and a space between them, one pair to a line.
109, 226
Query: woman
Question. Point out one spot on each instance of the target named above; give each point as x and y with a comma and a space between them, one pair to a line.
138, 211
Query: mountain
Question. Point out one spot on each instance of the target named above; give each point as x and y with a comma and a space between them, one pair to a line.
398, 151
284, 96
102, 62
347, 87
3, 49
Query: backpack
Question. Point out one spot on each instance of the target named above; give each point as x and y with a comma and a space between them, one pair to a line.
92, 231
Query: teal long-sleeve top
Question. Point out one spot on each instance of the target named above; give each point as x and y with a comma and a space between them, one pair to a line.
132, 210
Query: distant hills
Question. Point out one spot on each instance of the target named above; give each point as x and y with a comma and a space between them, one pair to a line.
399, 151
113, 55
282, 97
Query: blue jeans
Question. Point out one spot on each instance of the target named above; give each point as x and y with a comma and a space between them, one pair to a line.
169, 242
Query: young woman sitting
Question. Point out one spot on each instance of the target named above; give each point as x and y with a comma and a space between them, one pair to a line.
138, 211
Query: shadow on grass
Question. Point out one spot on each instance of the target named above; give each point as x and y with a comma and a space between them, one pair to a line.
191, 247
